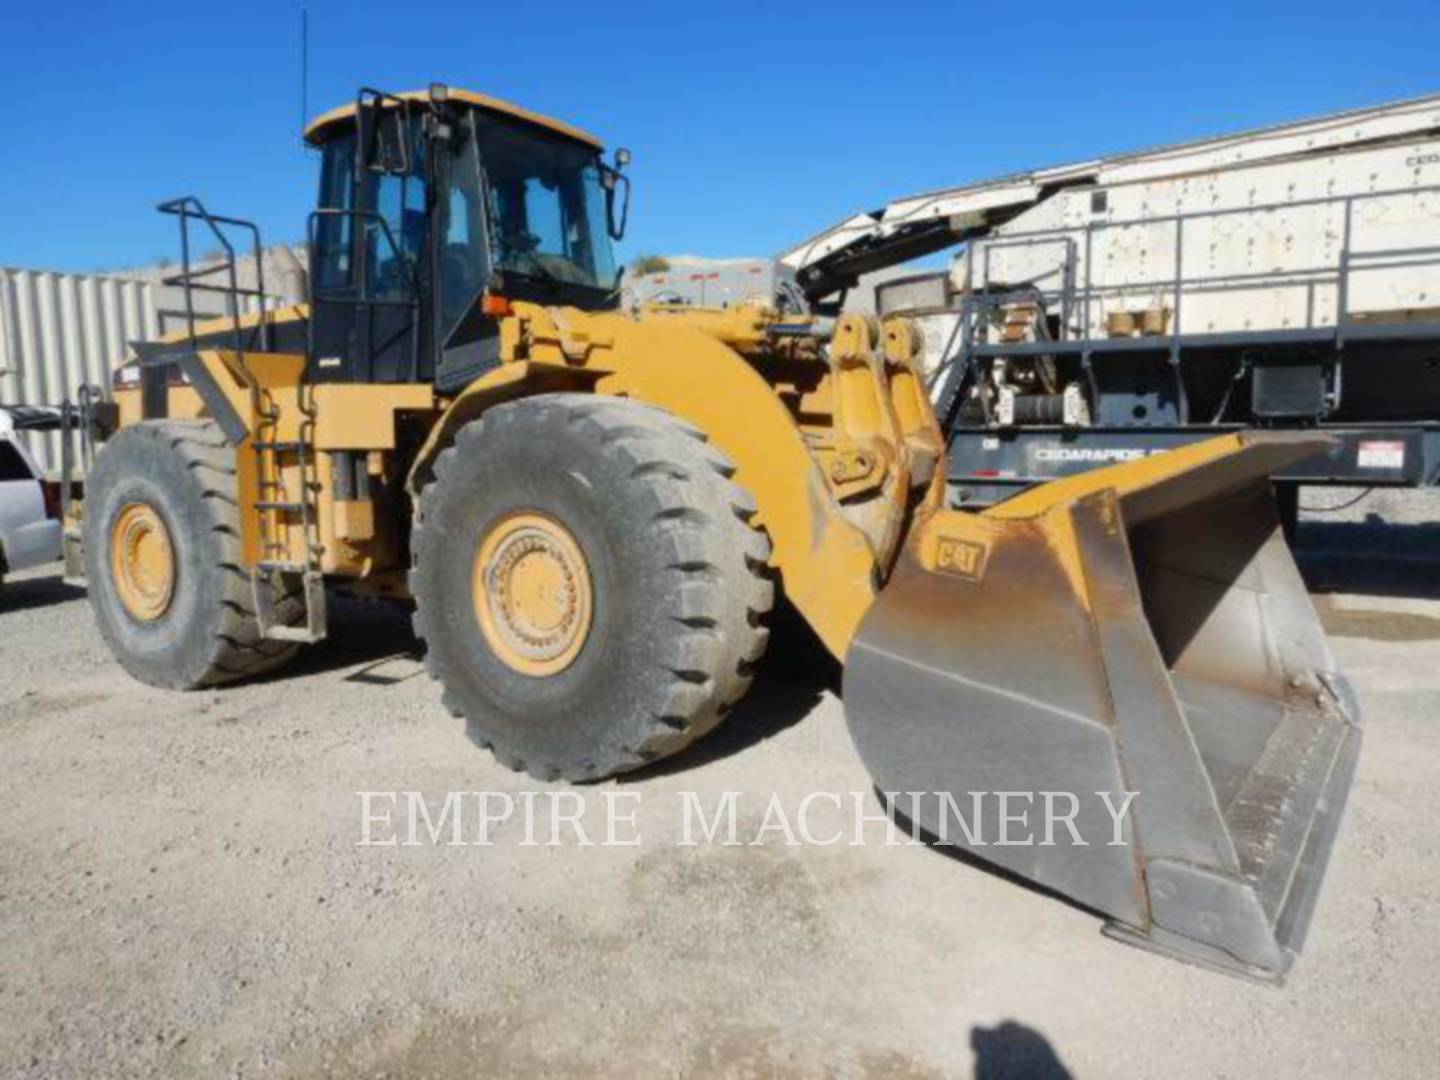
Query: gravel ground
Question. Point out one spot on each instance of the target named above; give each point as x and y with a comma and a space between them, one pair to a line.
181, 890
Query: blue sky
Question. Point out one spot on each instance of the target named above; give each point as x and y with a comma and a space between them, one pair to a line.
752, 125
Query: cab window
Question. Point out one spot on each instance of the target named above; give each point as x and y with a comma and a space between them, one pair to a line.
395, 253
391, 225
463, 268
331, 241
548, 206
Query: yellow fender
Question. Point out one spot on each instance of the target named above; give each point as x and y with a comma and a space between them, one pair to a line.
504, 383
826, 564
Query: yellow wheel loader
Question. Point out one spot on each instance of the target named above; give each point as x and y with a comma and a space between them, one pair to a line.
594, 512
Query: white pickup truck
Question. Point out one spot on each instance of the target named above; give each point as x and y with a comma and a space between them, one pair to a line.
30, 528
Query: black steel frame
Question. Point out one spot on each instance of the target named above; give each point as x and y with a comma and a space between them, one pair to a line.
358, 295
190, 209
974, 346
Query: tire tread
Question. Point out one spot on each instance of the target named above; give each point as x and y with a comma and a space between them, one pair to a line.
722, 556
236, 649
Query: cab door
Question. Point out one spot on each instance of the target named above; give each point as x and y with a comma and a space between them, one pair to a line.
371, 252
469, 338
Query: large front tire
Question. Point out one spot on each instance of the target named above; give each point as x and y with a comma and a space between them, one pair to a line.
163, 559
588, 584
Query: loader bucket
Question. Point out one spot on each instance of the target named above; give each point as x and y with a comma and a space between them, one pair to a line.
1140, 628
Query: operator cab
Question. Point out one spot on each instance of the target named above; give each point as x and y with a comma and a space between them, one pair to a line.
435, 211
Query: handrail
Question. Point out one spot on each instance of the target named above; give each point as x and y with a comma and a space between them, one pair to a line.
188, 207
1340, 270
1072, 296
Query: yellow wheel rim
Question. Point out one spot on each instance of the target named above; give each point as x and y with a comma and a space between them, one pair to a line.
532, 593
142, 562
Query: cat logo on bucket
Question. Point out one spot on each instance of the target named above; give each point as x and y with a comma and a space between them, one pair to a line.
963, 558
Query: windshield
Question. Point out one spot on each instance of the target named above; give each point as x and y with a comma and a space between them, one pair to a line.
548, 218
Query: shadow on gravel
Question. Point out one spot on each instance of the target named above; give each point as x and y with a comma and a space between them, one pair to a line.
1372, 557
37, 593
908, 827
792, 677
360, 632
779, 699
1012, 1051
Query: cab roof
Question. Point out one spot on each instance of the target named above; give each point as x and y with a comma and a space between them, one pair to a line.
313, 133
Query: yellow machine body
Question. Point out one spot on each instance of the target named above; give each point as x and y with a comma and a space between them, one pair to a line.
1138, 628
840, 452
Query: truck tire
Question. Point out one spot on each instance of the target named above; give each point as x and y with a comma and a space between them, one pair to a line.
588, 584
163, 559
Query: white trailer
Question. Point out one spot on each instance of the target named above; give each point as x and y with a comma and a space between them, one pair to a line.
718, 283
1283, 277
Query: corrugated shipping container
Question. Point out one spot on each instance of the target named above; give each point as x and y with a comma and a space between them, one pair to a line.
60, 331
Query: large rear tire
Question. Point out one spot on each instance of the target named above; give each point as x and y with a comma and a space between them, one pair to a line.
588, 584
163, 559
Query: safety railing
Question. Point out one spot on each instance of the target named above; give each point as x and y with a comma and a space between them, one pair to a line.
1077, 292
192, 212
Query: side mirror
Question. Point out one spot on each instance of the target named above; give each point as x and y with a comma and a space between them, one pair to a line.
622, 158
617, 199
384, 129
392, 143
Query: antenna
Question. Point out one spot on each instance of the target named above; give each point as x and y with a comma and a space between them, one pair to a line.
304, 68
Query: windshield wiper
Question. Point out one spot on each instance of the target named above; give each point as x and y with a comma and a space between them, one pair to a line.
539, 273
542, 275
